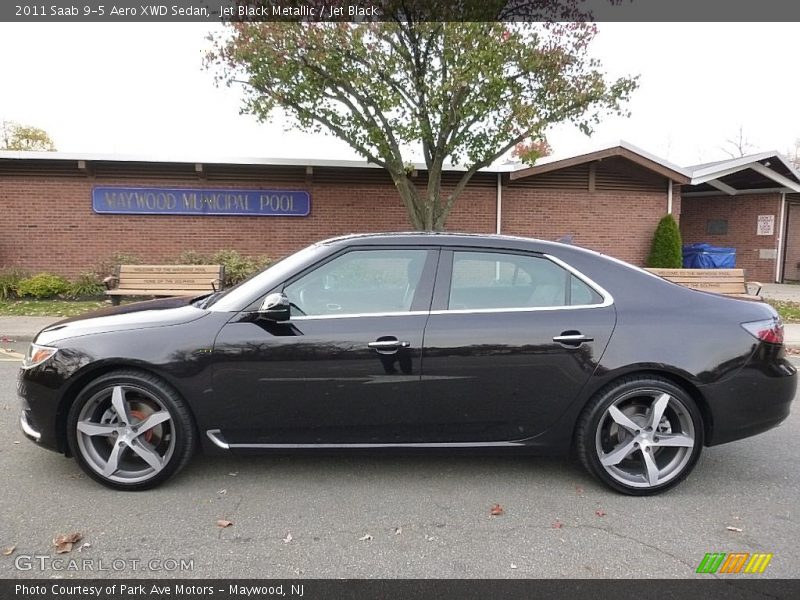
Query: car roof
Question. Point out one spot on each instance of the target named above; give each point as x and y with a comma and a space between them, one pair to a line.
454, 239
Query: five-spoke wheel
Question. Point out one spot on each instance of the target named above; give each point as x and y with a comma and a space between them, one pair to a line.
641, 436
129, 430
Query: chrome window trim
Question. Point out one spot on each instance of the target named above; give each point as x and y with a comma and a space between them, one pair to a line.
396, 313
608, 300
467, 311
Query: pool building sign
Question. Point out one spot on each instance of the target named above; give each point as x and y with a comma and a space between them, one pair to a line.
200, 201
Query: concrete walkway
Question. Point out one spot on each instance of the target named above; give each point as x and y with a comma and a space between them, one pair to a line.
23, 329
785, 292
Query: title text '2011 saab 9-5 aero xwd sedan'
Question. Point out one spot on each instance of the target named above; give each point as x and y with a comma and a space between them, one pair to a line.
415, 341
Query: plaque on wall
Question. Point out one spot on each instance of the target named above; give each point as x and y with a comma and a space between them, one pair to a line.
717, 226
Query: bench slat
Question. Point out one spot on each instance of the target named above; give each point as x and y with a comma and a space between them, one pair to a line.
728, 288
729, 282
176, 282
151, 292
166, 280
171, 269
720, 280
166, 286
698, 273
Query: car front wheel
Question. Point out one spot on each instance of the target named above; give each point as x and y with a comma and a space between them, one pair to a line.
641, 435
130, 431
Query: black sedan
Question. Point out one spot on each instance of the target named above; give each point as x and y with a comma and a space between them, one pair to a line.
415, 341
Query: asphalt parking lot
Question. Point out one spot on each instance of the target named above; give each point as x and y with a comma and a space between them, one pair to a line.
393, 516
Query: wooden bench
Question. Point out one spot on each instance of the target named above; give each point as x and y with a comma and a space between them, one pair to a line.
163, 280
729, 282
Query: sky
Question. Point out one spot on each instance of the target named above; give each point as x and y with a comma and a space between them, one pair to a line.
141, 89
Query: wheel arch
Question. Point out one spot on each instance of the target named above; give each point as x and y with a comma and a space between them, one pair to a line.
678, 379
81, 379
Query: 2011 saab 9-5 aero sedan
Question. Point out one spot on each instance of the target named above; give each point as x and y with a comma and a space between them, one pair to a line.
415, 341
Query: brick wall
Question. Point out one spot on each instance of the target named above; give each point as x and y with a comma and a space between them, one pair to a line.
742, 214
618, 223
48, 222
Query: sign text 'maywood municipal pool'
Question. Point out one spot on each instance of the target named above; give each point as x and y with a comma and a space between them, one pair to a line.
200, 201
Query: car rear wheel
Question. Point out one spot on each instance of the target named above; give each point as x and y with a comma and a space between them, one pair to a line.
130, 431
641, 435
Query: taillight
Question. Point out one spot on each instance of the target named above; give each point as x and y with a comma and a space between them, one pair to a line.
768, 330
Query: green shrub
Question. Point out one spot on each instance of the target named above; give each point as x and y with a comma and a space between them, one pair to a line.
9, 280
192, 257
106, 267
239, 267
666, 252
42, 285
87, 285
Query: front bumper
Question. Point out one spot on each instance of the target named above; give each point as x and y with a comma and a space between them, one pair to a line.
30, 431
38, 412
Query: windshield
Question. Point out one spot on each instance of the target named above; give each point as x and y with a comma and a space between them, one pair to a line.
242, 294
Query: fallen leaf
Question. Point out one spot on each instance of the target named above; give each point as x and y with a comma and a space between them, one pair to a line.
398, 530
222, 492
365, 538
9, 551
65, 542
223, 523
496, 510
579, 489
557, 524
736, 529
84, 546
513, 566
600, 512
288, 538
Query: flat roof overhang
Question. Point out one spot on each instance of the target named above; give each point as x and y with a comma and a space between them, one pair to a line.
759, 173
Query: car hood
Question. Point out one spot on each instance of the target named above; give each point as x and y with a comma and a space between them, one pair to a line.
138, 315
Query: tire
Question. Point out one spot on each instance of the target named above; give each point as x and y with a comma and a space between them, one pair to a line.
154, 439
615, 445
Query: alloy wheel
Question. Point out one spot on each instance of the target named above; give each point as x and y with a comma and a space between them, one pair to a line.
125, 434
645, 438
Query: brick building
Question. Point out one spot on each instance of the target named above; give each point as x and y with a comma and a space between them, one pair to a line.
64, 213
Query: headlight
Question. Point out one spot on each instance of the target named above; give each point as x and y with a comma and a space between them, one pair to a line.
37, 355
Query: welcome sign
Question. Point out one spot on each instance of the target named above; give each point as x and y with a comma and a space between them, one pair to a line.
200, 201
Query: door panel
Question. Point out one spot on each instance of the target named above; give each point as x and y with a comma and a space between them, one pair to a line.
492, 369
318, 381
345, 369
501, 377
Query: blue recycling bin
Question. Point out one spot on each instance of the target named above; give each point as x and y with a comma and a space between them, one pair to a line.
706, 256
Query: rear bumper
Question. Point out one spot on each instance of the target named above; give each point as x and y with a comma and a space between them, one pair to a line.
756, 399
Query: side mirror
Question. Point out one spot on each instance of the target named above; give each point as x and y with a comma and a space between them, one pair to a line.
275, 307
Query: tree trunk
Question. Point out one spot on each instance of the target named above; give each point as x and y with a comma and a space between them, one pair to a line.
405, 187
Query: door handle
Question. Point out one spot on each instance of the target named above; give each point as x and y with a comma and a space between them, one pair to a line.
388, 346
572, 339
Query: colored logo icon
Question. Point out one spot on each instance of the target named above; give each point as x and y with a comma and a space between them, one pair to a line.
734, 562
